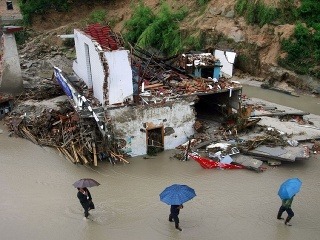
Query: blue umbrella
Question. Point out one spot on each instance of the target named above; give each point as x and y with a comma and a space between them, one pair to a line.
177, 194
289, 188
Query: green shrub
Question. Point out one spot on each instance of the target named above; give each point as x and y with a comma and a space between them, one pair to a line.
288, 12
164, 33
256, 12
98, 16
302, 50
241, 7
21, 36
309, 11
141, 18
160, 31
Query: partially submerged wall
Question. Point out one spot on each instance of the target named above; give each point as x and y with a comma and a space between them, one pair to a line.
132, 122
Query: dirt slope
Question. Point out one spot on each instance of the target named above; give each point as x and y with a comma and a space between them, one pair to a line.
218, 17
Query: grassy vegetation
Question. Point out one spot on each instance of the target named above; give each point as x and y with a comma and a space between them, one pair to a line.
303, 50
30, 8
256, 12
21, 36
202, 2
303, 47
141, 18
156, 30
160, 29
98, 16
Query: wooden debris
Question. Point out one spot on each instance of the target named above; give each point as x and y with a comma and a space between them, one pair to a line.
70, 135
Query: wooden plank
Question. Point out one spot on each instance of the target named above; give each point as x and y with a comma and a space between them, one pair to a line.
280, 114
153, 86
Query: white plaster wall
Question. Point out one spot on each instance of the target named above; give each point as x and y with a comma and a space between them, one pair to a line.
80, 65
227, 60
129, 120
120, 76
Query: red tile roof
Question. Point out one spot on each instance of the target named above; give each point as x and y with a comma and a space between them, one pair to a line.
103, 35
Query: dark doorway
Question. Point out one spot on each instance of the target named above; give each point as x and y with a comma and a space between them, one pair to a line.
207, 72
155, 141
217, 106
9, 5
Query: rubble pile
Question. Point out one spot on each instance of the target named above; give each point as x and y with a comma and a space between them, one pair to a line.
159, 80
267, 143
61, 128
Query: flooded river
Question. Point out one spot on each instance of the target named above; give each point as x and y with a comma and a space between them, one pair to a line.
39, 202
304, 103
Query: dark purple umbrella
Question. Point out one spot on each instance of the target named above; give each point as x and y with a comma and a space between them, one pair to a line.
85, 183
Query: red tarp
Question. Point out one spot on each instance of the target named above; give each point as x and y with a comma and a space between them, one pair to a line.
210, 164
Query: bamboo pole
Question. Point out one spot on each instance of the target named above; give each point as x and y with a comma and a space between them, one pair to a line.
95, 160
67, 155
84, 159
118, 156
75, 152
29, 135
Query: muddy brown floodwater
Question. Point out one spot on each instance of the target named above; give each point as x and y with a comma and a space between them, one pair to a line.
304, 103
39, 202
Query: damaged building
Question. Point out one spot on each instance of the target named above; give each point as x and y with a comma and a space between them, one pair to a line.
137, 101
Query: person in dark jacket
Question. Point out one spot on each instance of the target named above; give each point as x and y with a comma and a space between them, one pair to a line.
85, 199
286, 207
174, 212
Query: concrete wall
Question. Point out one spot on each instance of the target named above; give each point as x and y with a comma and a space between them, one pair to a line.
130, 124
119, 73
80, 65
11, 80
120, 76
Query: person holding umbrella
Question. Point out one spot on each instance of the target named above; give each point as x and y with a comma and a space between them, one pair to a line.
174, 212
84, 195
286, 206
287, 192
175, 195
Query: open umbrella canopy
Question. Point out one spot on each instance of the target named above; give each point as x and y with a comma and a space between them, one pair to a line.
85, 183
289, 188
177, 194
